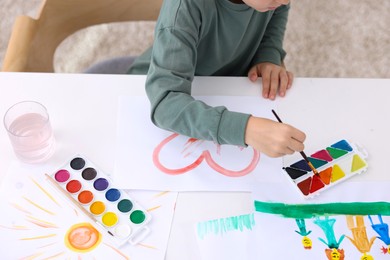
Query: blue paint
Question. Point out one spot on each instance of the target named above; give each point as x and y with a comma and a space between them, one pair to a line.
113, 194
224, 225
301, 165
343, 145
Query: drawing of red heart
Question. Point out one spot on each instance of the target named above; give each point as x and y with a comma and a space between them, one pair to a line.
205, 155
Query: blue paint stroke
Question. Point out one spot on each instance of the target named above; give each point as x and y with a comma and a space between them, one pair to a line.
224, 225
382, 229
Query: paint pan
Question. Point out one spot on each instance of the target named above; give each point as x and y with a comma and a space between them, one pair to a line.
335, 164
112, 209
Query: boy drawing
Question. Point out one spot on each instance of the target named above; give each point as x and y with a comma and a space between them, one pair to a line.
219, 38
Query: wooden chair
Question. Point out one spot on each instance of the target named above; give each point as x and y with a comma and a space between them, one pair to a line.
33, 42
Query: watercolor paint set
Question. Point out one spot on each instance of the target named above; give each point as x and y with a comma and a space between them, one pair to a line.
334, 164
92, 192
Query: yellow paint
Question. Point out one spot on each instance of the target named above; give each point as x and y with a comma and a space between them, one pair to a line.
147, 246
335, 255
337, 173
16, 206
154, 208
161, 194
41, 223
357, 163
110, 219
118, 251
366, 257
97, 208
38, 206
307, 243
38, 237
45, 191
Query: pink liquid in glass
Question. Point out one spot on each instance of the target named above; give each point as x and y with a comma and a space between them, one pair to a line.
32, 137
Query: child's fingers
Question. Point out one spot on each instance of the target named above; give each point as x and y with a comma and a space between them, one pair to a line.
266, 84
274, 85
284, 81
252, 74
290, 76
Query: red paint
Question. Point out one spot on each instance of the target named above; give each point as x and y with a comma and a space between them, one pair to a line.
304, 186
73, 186
322, 155
204, 156
316, 184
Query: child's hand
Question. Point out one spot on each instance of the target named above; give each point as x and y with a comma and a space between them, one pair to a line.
273, 138
274, 78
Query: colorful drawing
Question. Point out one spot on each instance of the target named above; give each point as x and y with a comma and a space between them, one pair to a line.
335, 254
333, 251
354, 212
382, 229
359, 236
42, 224
189, 148
82, 237
306, 241
336, 163
223, 225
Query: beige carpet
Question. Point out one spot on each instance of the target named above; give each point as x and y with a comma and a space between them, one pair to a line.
325, 38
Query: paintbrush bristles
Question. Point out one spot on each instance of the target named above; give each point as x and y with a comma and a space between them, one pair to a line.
312, 167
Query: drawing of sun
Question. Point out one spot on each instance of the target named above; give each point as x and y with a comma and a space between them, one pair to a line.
82, 237
41, 224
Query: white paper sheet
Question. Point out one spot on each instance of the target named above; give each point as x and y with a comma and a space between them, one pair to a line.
272, 236
151, 158
36, 217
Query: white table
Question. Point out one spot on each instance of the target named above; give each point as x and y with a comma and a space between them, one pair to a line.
83, 114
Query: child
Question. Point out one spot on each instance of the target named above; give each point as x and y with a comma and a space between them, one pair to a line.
219, 38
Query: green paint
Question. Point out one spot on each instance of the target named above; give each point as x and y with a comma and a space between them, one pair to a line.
336, 153
317, 163
329, 209
223, 225
137, 216
125, 205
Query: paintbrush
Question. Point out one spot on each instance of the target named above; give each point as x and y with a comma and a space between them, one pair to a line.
302, 152
76, 203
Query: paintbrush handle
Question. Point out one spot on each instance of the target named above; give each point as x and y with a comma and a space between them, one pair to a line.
302, 152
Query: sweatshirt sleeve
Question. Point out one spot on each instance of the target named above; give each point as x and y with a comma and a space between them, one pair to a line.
271, 47
168, 87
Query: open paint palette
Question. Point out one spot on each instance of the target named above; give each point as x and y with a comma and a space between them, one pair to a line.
336, 163
112, 209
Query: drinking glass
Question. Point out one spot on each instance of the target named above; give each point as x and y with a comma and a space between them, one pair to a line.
30, 132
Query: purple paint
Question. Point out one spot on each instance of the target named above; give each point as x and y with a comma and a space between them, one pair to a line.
100, 184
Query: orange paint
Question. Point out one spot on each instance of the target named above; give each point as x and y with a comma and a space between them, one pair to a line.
326, 175
82, 238
85, 197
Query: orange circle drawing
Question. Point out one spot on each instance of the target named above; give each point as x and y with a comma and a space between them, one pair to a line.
82, 238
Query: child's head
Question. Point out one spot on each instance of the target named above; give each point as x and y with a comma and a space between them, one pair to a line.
265, 5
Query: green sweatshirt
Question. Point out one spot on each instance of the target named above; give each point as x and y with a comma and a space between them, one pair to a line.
206, 38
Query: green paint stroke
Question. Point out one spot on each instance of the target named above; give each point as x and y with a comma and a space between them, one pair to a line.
328, 209
223, 225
